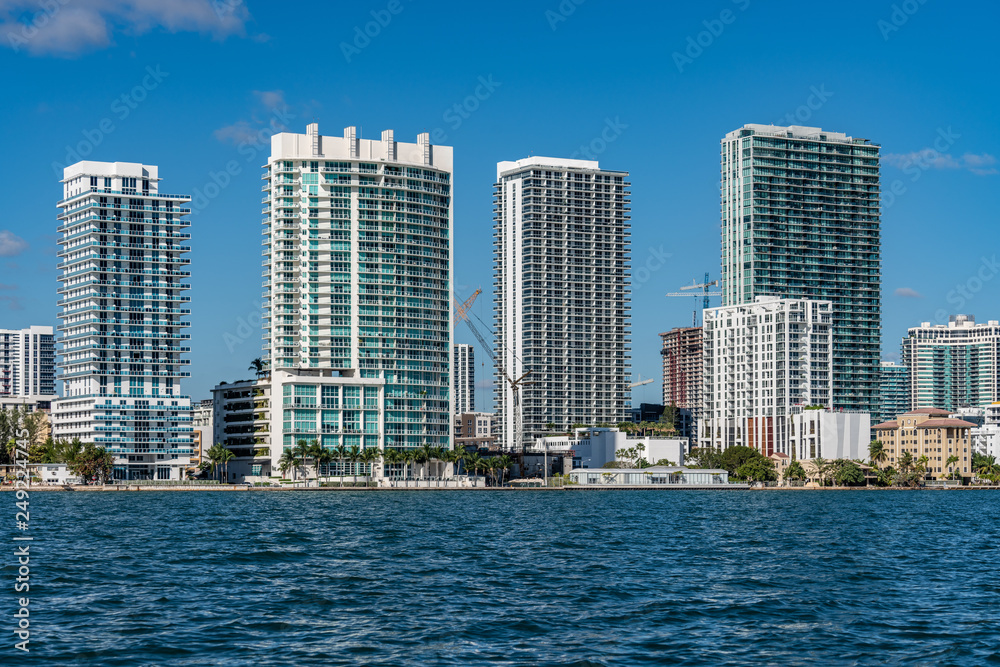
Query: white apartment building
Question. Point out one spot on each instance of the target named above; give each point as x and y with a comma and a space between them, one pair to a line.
953, 365
27, 363
122, 318
827, 434
463, 365
259, 419
561, 293
593, 447
358, 270
760, 361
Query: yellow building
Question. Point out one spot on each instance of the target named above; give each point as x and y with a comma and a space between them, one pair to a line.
929, 432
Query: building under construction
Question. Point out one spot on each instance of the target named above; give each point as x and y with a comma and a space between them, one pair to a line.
682, 368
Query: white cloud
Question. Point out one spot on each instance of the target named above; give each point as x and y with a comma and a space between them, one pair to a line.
260, 126
68, 28
908, 293
928, 158
11, 245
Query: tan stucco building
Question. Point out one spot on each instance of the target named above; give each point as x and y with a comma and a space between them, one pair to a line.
932, 433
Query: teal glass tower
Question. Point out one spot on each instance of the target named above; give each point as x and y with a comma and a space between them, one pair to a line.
800, 219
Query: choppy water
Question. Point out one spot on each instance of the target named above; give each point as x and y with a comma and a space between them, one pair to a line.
526, 578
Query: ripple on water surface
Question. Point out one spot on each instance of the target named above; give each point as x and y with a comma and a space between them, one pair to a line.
571, 578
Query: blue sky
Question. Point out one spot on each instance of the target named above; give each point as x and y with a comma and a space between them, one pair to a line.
194, 85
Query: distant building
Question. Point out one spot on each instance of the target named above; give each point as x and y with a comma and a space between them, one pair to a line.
894, 386
474, 429
762, 360
260, 419
646, 412
955, 365
561, 293
682, 368
203, 433
932, 433
463, 372
27, 363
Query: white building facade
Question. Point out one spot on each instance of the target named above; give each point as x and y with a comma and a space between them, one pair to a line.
259, 419
358, 270
463, 365
561, 293
27, 363
593, 447
760, 361
121, 334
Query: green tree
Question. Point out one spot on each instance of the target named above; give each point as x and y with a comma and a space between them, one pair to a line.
877, 453
93, 462
847, 473
795, 471
757, 469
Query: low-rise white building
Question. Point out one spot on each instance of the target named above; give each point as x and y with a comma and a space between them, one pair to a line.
986, 440
827, 434
593, 447
655, 476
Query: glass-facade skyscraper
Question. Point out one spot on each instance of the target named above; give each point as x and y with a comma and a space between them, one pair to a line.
358, 277
800, 219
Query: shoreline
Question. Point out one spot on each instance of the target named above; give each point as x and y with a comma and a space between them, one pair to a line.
230, 488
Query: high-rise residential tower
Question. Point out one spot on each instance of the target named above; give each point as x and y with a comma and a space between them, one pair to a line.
27, 363
561, 293
463, 364
358, 272
800, 219
894, 391
121, 335
954, 365
764, 362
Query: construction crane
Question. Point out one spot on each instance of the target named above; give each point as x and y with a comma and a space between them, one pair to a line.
640, 382
462, 314
705, 294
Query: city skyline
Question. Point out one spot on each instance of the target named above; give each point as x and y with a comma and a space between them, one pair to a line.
936, 151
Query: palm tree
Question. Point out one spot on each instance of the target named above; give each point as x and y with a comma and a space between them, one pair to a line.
473, 462
390, 456
504, 463
286, 462
354, 455
922, 465
457, 456
301, 451
822, 467
952, 460
877, 453
324, 456
370, 456
227, 454
315, 452
341, 452
216, 456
